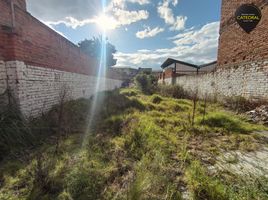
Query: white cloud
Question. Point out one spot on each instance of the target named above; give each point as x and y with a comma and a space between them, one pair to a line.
179, 23
144, 50
122, 3
118, 9
148, 32
196, 46
51, 26
82, 12
208, 32
166, 13
141, 2
71, 22
119, 18
125, 17
57, 10
175, 2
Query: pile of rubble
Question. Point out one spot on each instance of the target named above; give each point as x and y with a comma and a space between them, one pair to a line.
260, 114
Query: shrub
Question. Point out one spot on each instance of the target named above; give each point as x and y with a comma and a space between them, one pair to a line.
156, 99
84, 184
241, 104
113, 124
174, 91
15, 133
146, 83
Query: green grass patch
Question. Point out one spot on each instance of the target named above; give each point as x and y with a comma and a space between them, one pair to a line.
140, 147
228, 122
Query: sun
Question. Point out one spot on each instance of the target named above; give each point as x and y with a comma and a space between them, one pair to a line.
106, 22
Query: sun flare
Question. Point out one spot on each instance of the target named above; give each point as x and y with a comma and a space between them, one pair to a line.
106, 22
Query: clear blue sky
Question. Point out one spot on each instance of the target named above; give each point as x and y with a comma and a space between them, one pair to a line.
145, 32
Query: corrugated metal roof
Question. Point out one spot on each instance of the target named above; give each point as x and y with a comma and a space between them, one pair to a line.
170, 61
208, 64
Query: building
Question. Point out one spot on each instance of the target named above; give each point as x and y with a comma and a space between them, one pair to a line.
206, 68
172, 69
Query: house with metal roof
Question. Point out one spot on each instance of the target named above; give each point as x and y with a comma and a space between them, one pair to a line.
206, 68
179, 67
173, 68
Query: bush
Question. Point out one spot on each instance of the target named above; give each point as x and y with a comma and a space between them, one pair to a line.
156, 99
174, 91
15, 133
84, 184
146, 83
241, 104
113, 125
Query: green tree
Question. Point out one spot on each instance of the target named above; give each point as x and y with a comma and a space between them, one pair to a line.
146, 82
93, 48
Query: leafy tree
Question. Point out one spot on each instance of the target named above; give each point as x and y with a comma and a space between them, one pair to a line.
93, 48
146, 82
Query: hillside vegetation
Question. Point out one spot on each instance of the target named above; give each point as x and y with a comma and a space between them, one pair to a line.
137, 147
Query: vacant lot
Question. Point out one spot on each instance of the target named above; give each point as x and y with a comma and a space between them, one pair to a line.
139, 147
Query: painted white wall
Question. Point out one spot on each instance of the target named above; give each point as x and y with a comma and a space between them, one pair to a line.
37, 89
249, 80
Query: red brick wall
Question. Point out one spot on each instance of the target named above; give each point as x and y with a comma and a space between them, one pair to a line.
34, 43
5, 28
235, 45
169, 73
5, 13
20, 3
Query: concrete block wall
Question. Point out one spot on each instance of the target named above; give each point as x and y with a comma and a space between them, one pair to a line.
249, 80
37, 89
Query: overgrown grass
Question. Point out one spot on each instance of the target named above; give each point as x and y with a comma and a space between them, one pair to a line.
227, 122
203, 186
241, 104
174, 91
140, 147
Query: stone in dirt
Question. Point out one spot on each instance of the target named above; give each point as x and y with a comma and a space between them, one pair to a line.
260, 114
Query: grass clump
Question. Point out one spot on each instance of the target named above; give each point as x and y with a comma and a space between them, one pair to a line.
227, 122
241, 104
17, 134
84, 183
156, 99
203, 186
130, 92
174, 91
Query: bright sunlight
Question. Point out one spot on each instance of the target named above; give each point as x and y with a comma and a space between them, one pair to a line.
106, 22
